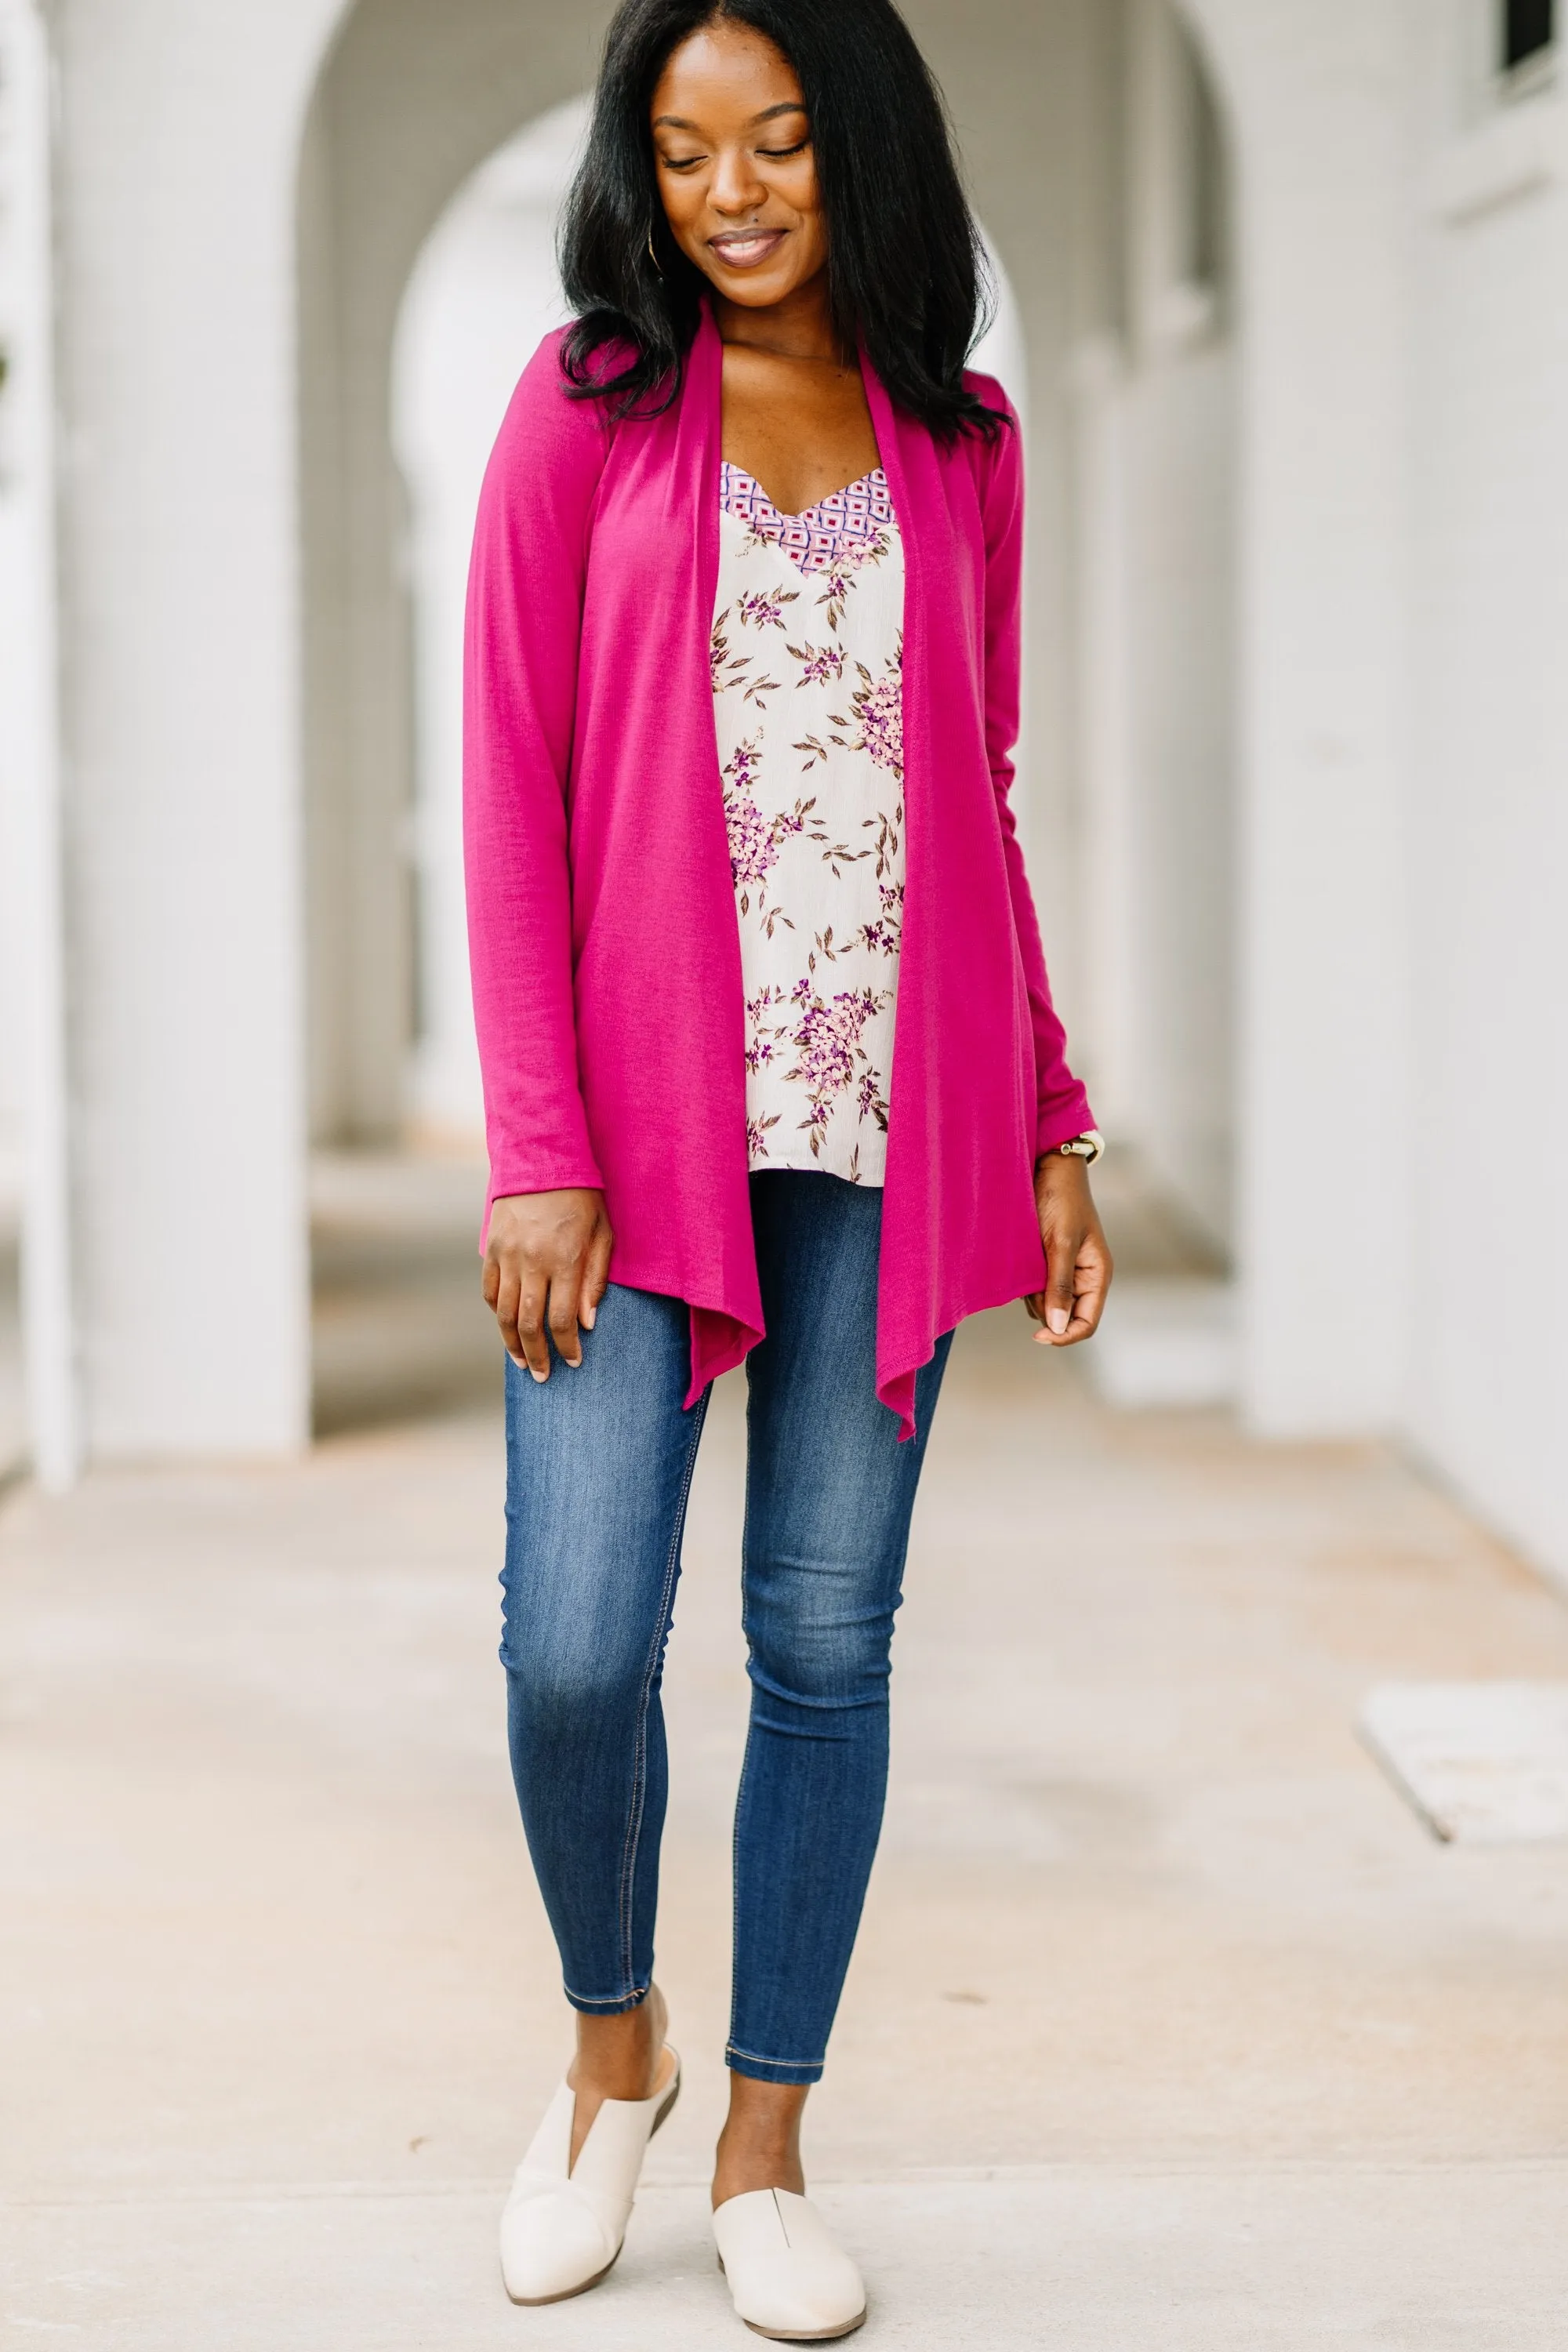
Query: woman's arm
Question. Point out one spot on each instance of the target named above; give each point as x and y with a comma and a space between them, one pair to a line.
1078, 1262
547, 1241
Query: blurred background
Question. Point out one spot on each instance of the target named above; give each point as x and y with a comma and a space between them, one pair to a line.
1282, 299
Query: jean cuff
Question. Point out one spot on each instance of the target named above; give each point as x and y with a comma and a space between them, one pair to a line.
610, 2004
770, 2070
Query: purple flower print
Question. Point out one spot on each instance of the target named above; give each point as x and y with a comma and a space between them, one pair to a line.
828, 1040
752, 849
881, 710
878, 707
836, 581
754, 839
837, 577
819, 665
763, 608
818, 879
871, 1102
740, 767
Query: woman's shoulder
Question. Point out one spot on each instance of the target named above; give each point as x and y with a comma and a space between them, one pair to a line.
993, 457
548, 421
988, 389
541, 410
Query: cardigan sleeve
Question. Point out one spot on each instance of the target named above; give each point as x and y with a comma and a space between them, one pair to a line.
1062, 1106
520, 682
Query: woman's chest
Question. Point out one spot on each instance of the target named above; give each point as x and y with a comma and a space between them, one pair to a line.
806, 645
652, 590
806, 657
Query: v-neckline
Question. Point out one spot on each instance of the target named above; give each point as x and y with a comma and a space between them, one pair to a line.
805, 513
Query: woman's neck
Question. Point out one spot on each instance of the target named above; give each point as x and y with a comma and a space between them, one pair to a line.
798, 327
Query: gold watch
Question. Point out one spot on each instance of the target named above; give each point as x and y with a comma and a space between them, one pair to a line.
1086, 1146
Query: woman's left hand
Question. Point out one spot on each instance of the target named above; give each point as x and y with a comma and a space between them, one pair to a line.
1078, 1262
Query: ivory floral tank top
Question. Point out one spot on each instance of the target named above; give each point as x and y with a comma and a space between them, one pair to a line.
807, 652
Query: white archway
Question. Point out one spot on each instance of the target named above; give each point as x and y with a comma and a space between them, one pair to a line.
482, 292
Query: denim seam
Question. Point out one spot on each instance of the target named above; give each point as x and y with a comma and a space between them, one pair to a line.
746, 1751
617, 2001
661, 1630
799, 2066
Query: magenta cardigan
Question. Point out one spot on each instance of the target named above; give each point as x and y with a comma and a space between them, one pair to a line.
607, 959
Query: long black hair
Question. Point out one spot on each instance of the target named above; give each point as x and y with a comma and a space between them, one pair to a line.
906, 269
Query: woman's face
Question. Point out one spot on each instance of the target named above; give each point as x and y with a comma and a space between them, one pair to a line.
732, 150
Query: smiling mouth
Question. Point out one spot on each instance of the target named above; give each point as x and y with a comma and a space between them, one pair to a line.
744, 248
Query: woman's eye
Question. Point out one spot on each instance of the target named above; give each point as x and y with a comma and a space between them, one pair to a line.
680, 163
778, 155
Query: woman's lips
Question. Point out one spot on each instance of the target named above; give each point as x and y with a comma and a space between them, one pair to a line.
744, 248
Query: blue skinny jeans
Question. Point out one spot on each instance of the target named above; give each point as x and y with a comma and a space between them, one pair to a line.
599, 1465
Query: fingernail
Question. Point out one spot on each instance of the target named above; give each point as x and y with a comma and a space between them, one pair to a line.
572, 1363
1057, 1318
586, 1317
539, 1377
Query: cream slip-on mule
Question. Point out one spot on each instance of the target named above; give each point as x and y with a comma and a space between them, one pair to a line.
562, 2230
790, 2277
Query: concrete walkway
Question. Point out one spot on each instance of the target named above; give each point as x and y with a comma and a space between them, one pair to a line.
1170, 2028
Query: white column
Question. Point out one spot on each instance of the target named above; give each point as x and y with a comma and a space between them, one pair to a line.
31, 916
176, 185
1314, 91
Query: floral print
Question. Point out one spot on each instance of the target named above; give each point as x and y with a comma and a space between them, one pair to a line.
809, 719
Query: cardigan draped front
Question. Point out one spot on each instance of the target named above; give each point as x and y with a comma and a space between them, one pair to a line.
607, 961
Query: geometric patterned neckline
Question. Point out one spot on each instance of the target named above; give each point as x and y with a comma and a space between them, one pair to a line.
819, 536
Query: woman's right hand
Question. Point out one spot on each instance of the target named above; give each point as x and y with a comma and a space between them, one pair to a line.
547, 1265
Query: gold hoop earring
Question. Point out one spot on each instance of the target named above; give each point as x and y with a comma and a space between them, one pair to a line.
653, 256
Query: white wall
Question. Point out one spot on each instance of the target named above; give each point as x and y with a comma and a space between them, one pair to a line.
1155, 457
1313, 92
1175, 1099
1488, 795
39, 1416
25, 308
178, 139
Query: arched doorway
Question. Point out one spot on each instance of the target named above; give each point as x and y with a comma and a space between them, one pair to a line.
408, 102
482, 292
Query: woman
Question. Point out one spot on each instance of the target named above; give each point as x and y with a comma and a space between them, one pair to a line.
771, 1067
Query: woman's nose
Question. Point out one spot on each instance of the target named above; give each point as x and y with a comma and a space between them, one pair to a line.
735, 186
